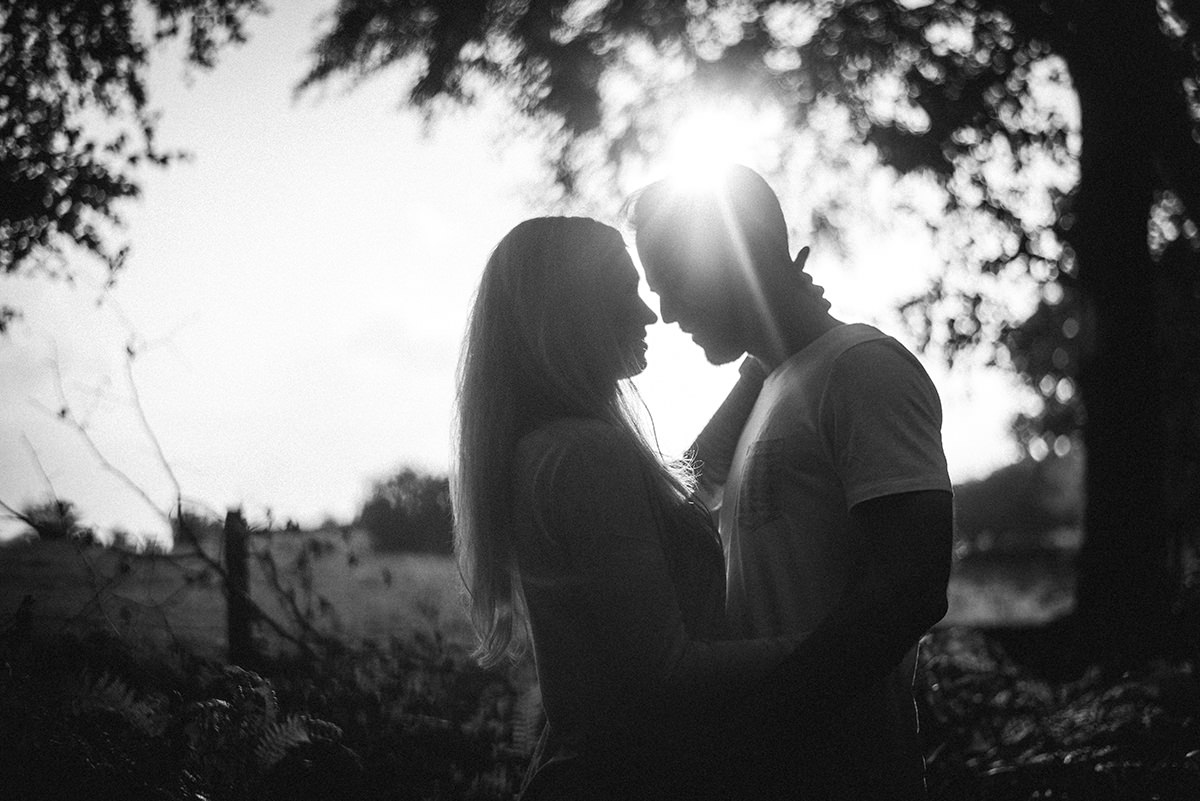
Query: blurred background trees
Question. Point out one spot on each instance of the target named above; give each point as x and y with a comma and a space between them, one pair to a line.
75, 119
1060, 136
410, 512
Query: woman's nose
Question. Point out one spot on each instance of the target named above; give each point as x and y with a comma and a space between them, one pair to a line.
648, 315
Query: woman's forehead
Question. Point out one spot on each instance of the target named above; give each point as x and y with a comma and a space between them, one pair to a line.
622, 267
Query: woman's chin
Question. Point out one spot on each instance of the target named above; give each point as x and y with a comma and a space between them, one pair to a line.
635, 366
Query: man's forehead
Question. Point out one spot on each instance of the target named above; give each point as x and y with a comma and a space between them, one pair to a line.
680, 267
662, 268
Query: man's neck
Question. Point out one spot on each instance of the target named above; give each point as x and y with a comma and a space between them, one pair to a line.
791, 332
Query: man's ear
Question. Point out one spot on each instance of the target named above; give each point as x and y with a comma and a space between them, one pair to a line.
801, 258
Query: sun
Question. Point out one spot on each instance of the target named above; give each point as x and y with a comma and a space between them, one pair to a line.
713, 134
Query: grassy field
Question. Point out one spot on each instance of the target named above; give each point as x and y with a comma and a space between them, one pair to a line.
378, 596
152, 599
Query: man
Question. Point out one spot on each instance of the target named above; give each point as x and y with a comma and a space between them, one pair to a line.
836, 510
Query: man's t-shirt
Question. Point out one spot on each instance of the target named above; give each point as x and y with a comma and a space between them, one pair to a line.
851, 417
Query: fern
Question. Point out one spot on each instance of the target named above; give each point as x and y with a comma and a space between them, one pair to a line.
276, 739
528, 717
110, 693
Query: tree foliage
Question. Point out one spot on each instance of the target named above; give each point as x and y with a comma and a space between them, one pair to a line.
409, 511
75, 117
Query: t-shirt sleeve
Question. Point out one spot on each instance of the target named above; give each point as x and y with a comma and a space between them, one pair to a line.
594, 497
882, 419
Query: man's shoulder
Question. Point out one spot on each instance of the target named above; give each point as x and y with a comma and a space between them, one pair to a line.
860, 340
831, 345
879, 374
848, 347
865, 352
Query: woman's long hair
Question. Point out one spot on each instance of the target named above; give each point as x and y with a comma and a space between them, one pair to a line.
540, 345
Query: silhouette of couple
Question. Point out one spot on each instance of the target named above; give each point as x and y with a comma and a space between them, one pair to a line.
740, 625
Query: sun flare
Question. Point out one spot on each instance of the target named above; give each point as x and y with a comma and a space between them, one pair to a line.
713, 135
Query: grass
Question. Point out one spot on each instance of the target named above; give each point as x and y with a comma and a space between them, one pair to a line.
152, 600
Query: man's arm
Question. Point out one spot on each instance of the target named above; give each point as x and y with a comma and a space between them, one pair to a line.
712, 451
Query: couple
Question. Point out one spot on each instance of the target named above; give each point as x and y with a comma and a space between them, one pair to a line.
768, 653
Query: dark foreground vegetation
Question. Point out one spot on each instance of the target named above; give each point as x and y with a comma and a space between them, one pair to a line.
91, 717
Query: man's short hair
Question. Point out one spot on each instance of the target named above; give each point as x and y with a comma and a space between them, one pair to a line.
734, 215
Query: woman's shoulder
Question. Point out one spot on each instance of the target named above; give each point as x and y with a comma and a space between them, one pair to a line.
567, 433
596, 444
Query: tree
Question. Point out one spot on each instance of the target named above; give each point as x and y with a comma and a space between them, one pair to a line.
75, 120
953, 91
409, 511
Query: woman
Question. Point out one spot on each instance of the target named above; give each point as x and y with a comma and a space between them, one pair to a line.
567, 522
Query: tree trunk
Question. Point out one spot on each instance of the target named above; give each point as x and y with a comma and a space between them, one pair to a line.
1179, 319
1124, 585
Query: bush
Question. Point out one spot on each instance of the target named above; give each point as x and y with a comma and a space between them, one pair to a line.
998, 730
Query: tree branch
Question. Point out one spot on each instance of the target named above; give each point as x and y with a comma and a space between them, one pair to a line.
66, 415
149, 431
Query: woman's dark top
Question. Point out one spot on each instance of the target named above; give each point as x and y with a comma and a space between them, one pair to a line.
625, 595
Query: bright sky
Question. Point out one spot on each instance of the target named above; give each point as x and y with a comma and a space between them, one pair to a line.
297, 293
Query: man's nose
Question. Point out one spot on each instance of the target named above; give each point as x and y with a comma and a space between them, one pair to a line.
667, 310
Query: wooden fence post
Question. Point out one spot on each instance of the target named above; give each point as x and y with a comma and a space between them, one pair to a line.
237, 589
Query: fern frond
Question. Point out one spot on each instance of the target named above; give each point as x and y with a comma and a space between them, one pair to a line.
280, 737
323, 730
111, 694
528, 718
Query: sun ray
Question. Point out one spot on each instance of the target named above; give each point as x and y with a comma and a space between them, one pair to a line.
742, 254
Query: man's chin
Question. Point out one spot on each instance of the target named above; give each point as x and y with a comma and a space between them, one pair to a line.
718, 356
